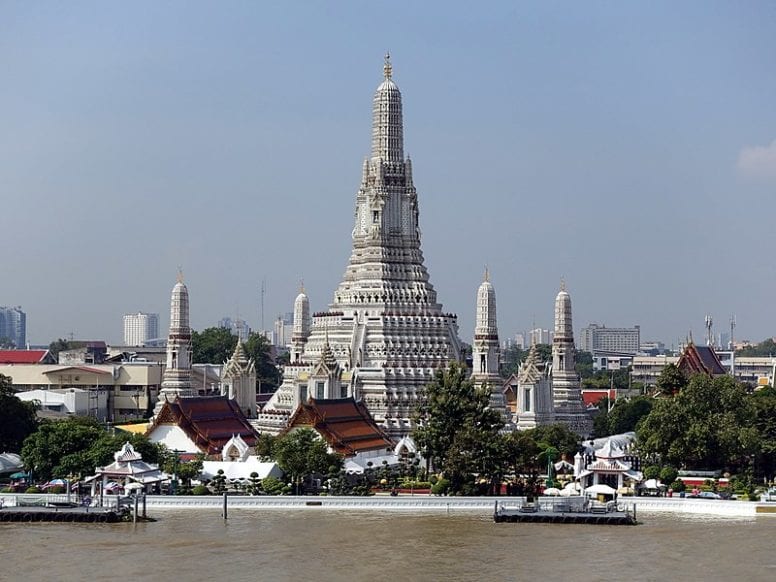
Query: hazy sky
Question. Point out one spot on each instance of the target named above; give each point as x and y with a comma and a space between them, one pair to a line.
627, 147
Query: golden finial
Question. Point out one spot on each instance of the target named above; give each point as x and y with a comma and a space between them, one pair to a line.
180, 274
387, 68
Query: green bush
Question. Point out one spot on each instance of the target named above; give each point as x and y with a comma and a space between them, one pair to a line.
273, 486
652, 472
6, 490
33, 489
678, 486
200, 490
441, 487
668, 475
57, 489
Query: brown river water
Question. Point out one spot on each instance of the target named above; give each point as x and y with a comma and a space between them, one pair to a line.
338, 545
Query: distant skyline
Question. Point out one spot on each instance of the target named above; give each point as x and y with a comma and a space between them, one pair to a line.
628, 148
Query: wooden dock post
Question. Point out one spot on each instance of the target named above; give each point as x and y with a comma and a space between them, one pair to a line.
134, 513
225, 506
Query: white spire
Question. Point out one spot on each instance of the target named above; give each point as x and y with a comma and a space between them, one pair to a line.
486, 308
387, 124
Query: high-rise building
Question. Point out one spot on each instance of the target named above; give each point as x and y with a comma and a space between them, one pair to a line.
236, 326
599, 338
13, 326
566, 390
140, 328
384, 327
540, 336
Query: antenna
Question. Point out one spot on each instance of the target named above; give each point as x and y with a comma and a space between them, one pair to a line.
263, 291
709, 334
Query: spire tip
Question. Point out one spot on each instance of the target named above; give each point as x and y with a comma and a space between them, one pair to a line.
387, 67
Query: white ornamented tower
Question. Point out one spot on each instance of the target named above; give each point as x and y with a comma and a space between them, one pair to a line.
485, 348
238, 380
567, 396
534, 393
385, 327
177, 373
301, 326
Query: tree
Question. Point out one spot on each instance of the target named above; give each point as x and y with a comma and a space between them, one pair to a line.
584, 364
17, 418
457, 429
624, 415
668, 475
267, 373
213, 345
764, 348
558, 436
61, 448
670, 381
302, 453
709, 424
101, 452
61, 345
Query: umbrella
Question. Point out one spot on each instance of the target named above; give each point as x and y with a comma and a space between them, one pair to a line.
600, 489
571, 489
55, 483
552, 491
111, 485
20, 475
133, 486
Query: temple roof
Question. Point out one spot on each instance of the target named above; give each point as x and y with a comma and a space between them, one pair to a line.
700, 360
210, 422
344, 424
25, 357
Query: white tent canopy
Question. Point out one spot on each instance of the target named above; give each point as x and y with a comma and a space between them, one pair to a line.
600, 489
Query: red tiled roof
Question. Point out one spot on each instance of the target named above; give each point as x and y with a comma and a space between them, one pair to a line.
593, 397
701, 360
22, 356
344, 423
208, 421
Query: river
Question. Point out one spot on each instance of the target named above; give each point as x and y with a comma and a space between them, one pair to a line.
339, 545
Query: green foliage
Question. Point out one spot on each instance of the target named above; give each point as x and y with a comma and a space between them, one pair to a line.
61, 345
170, 463
557, 435
218, 483
61, 448
213, 345
670, 381
706, 425
441, 487
678, 486
17, 418
764, 348
267, 373
623, 417
302, 453
457, 429
584, 364
514, 356
651, 472
265, 445
200, 490
273, 485
668, 475
33, 489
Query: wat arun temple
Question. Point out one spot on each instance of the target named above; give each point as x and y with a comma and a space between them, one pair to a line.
385, 334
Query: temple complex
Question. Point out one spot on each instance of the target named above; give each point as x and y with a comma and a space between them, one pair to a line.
238, 380
384, 334
534, 393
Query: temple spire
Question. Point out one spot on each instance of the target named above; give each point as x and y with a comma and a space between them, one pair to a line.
387, 67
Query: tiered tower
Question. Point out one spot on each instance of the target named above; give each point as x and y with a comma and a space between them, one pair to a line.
238, 380
567, 395
534, 393
301, 326
485, 348
177, 373
385, 327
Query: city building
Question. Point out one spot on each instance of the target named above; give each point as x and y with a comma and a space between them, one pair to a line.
539, 336
69, 401
13, 327
597, 338
384, 327
140, 328
128, 389
26, 357
283, 330
236, 326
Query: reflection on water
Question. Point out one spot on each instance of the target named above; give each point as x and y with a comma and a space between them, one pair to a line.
311, 545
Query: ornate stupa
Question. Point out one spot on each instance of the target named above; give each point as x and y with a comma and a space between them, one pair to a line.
567, 395
238, 380
485, 347
176, 381
385, 328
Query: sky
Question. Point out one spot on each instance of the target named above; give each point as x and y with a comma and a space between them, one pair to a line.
628, 148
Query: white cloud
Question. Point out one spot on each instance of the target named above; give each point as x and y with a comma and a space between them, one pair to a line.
758, 161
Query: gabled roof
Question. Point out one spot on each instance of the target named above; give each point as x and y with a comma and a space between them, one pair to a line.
210, 422
344, 424
25, 357
86, 369
700, 360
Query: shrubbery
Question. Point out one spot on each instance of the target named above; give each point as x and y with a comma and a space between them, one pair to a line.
33, 489
441, 487
200, 490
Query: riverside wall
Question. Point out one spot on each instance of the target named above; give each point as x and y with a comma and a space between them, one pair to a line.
415, 503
